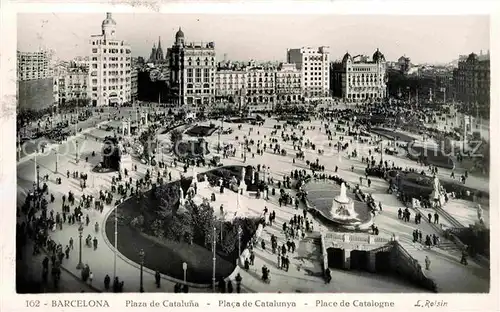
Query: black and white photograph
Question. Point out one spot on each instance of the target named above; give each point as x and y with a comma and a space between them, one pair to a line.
230, 153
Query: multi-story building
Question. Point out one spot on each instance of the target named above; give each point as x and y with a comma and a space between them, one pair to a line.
33, 65
73, 87
230, 85
109, 67
288, 84
260, 88
133, 85
35, 82
359, 78
313, 64
472, 82
404, 64
192, 73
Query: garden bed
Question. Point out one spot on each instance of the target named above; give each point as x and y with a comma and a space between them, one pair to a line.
166, 254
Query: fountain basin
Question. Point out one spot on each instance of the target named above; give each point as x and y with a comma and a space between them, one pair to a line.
321, 195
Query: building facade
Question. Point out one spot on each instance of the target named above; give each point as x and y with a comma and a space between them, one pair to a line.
192, 73
314, 66
288, 84
260, 88
404, 64
134, 81
33, 65
109, 67
73, 87
359, 78
230, 86
35, 82
472, 82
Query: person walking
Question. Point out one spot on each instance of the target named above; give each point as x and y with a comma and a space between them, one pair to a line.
427, 263
238, 280
107, 281
157, 279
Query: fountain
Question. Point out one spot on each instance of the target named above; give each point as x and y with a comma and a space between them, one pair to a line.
341, 211
343, 206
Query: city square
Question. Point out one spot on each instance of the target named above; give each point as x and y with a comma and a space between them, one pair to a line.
300, 191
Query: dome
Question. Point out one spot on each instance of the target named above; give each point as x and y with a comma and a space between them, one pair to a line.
109, 20
378, 57
472, 57
179, 34
347, 57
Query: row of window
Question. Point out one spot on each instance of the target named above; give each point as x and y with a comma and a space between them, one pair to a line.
112, 51
198, 91
115, 80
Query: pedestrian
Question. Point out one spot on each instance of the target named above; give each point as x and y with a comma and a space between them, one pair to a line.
238, 283
328, 276
91, 276
429, 216
107, 280
252, 257
157, 279
229, 287
67, 252
71, 242
95, 243
427, 263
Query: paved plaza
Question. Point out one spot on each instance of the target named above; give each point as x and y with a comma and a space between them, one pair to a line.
305, 273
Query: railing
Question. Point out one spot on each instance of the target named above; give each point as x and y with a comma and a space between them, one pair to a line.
414, 269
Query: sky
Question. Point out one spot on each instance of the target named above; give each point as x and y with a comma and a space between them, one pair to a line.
425, 39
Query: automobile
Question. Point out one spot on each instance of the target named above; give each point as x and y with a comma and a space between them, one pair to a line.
227, 131
108, 128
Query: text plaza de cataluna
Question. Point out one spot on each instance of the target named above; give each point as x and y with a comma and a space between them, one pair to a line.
184, 171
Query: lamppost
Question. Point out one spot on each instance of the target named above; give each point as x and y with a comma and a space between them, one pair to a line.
57, 158
141, 255
76, 155
213, 258
37, 177
239, 243
185, 267
116, 241
80, 232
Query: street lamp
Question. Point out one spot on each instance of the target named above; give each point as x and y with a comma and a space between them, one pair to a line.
239, 242
185, 267
213, 258
76, 152
116, 241
80, 232
57, 158
37, 177
141, 255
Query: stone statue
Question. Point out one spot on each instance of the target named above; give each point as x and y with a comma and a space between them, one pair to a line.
181, 193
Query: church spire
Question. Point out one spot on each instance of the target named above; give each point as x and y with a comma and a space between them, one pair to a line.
159, 42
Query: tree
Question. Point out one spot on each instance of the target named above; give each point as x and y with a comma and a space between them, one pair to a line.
203, 221
178, 226
168, 195
175, 136
230, 239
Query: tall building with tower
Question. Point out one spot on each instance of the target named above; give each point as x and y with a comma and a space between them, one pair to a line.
109, 67
192, 73
157, 55
359, 78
